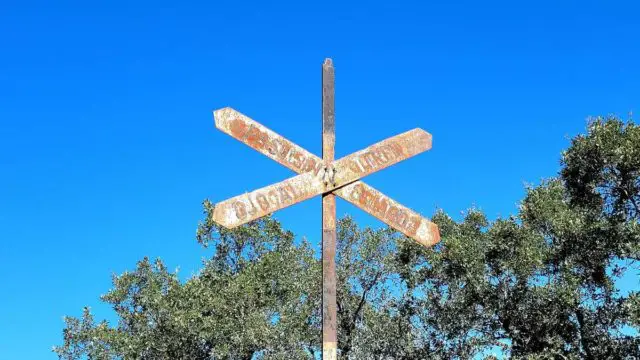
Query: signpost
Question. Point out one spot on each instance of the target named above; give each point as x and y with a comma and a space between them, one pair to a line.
327, 177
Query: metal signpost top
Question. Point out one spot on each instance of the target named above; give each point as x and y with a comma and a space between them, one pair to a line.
327, 177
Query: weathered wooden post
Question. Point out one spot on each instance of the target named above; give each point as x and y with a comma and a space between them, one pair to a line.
329, 314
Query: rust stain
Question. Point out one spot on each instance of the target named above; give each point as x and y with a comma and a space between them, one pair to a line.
381, 155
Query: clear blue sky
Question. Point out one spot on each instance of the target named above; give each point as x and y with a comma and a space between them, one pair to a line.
107, 144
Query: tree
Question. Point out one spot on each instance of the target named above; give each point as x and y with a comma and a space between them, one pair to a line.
540, 284
257, 295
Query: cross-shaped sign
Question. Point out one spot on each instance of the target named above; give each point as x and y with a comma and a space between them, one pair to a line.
326, 177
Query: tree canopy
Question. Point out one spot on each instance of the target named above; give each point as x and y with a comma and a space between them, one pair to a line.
540, 284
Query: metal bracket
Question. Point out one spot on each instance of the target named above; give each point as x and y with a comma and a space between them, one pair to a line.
329, 175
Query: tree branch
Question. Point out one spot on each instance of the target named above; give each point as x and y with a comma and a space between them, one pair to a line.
363, 297
583, 340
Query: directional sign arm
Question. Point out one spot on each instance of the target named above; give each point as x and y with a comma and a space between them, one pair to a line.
391, 212
266, 141
258, 203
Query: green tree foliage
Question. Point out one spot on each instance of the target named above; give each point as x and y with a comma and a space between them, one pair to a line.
537, 285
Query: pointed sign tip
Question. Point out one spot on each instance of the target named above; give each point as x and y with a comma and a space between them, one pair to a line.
221, 113
221, 217
425, 137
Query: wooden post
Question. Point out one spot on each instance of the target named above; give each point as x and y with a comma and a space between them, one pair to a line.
329, 313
